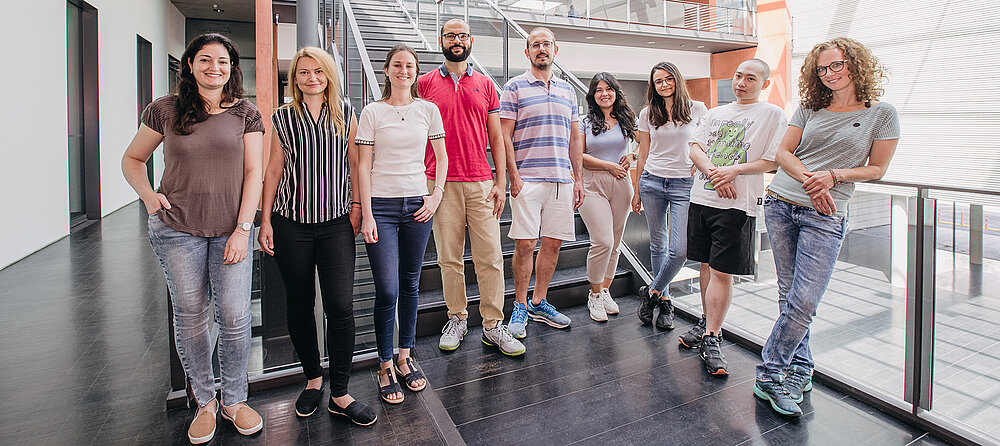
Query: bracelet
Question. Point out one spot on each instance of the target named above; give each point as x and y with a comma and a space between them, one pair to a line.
355, 203
439, 187
834, 176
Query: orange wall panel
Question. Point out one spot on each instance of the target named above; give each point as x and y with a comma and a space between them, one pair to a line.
774, 46
701, 90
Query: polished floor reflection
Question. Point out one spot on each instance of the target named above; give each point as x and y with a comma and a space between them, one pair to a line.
84, 354
859, 328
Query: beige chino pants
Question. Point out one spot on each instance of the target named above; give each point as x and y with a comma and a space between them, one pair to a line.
605, 210
464, 204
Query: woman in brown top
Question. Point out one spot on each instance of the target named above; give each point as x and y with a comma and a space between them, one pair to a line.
200, 220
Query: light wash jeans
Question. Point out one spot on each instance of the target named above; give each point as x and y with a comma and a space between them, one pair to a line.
662, 197
805, 245
396, 259
197, 279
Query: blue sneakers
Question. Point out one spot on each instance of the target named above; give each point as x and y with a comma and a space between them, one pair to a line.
776, 393
545, 312
797, 381
518, 321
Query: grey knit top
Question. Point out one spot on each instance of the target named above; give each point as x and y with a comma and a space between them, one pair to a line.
835, 140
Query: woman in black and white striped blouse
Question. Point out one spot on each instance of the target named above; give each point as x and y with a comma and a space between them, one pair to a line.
311, 215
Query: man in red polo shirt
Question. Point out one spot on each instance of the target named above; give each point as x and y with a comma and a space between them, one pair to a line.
473, 196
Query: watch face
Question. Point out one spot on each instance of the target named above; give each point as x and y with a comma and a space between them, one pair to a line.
246, 226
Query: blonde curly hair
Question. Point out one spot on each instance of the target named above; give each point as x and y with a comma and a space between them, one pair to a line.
866, 71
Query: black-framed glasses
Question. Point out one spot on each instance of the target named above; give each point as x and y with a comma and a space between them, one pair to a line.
834, 67
451, 37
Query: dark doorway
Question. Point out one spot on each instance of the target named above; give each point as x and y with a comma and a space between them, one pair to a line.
144, 83
82, 106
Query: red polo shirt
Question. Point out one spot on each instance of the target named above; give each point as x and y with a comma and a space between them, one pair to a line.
464, 107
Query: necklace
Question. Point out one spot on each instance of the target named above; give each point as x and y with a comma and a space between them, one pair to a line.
402, 116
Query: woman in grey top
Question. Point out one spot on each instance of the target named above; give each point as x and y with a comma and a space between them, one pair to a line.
607, 128
839, 135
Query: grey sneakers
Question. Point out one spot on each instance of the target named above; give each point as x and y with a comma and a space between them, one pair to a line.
501, 338
456, 329
453, 333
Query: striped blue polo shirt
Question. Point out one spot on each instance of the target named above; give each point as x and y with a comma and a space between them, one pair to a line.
543, 113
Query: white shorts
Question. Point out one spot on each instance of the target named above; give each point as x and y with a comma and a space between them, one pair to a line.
543, 209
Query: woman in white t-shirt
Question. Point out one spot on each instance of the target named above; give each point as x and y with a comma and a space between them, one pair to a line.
665, 126
397, 209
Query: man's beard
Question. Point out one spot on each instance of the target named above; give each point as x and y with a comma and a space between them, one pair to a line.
452, 57
542, 65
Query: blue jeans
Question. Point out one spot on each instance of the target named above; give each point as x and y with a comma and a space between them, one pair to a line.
396, 259
661, 196
805, 245
199, 282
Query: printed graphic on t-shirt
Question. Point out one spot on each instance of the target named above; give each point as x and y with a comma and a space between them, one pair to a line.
726, 145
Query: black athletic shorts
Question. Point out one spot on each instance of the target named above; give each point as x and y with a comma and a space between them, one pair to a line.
723, 238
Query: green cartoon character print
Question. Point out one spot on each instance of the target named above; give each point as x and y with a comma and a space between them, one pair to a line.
728, 147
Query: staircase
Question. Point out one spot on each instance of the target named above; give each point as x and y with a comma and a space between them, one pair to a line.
383, 24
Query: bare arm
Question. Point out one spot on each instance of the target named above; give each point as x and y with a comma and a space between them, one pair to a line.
365, 155
498, 194
134, 160
878, 162
253, 171
432, 201
272, 176
507, 128
700, 159
785, 155
352, 162
576, 160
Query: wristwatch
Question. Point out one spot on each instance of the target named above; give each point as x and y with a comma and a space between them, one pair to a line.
246, 226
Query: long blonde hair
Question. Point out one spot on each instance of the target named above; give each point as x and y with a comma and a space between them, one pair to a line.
332, 92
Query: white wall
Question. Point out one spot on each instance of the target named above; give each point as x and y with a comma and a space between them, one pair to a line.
942, 79
34, 167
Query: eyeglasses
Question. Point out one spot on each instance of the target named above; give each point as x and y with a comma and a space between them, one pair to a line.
539, 45
834, 67
451, 37
669, 80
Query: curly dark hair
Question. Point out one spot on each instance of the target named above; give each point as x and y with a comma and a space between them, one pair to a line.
619, 110
191, 106
681, 110
866, 71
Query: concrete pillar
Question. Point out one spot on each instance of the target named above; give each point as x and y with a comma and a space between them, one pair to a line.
306, 23
899, 240
976, 234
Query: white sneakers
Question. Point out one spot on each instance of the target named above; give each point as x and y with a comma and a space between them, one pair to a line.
609, 304
601, 305
596, 307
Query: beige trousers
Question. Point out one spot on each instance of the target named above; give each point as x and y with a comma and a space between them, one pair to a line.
605, 210
464, 203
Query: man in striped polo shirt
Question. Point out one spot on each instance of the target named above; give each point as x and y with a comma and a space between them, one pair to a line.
544, 158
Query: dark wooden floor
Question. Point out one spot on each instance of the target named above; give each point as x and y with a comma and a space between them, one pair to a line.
84, 360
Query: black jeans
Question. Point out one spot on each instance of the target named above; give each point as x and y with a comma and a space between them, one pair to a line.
300, 249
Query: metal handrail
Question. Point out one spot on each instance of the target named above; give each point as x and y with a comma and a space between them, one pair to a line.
570, 77
416, 26
701, 11
429, 47
931, 187
366, 63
